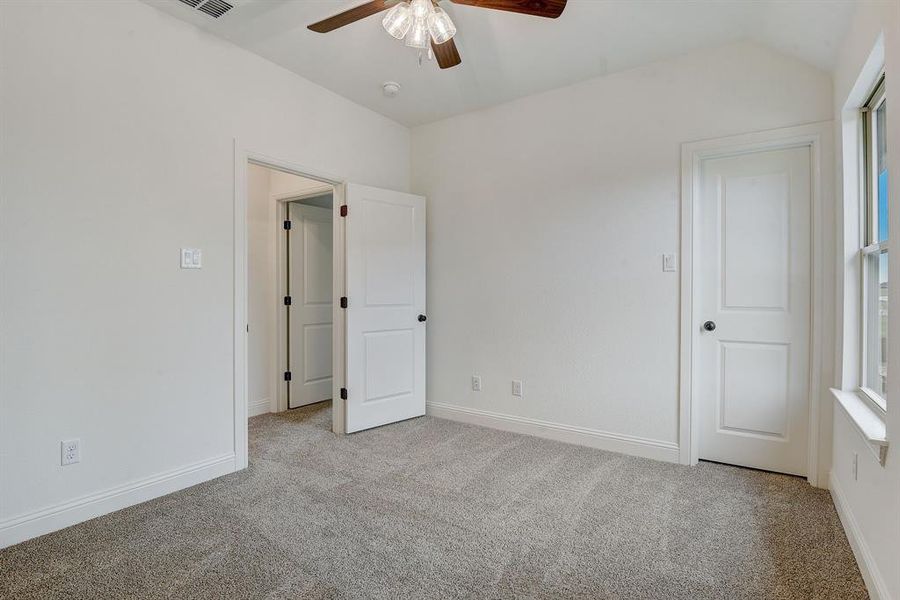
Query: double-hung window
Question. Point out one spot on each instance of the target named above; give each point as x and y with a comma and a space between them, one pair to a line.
874, 253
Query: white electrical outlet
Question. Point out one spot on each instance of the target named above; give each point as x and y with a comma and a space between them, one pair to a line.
517, 388
476, 383
70, 452
191, 258
855, 466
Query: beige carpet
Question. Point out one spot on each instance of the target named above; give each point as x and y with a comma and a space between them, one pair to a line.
434, 509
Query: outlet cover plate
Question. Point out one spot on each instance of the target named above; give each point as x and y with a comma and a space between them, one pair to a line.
191, 258
70, 452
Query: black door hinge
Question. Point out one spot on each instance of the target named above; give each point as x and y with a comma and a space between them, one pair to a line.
343, 210
343, 393
343, 301
287, 224
287, 300
287, 375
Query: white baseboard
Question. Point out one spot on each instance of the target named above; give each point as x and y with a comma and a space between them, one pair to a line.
260, 407
603, 440
871, 575
24, 527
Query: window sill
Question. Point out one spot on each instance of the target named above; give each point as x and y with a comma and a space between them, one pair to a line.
868, 422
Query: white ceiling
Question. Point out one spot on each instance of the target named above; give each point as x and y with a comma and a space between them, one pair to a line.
507, 55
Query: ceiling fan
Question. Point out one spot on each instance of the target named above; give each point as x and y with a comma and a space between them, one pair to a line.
422, 23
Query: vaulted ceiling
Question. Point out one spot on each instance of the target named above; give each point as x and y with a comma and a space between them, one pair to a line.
507, 55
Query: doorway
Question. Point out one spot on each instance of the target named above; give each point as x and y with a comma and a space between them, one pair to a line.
289, 290
377, 301
753, 297
750, 315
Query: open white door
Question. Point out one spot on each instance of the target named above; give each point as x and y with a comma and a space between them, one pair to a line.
385, 283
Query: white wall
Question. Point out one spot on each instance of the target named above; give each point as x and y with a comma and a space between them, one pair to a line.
547, 221
869, 504
117, 126
262, 292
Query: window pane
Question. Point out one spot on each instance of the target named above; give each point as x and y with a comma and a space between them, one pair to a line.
876, 322
881, 173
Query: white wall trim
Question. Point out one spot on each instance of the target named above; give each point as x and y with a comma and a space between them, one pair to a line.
867, 567
23, 527
260, 407
851, 228
817, 136
280, 400
339, 316
594, 438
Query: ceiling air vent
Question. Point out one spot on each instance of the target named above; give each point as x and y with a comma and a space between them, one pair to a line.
214, 8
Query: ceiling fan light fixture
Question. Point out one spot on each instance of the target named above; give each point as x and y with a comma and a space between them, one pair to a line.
418, 35
440, 26
420, 8
398, 20
423, 25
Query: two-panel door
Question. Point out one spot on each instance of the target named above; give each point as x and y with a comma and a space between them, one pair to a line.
310, 311
385, 314
752, 318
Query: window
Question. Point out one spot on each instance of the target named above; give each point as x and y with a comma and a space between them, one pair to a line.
874, 252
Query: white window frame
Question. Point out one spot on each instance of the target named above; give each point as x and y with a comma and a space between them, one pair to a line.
869, 213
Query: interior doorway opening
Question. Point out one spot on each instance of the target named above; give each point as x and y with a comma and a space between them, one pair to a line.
377, 367
290, 281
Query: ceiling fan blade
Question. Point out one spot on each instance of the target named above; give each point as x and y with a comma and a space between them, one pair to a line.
350, 16
539, 8
446, 54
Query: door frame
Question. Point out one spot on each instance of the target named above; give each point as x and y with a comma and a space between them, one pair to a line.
281, 267
243, 156
818, 138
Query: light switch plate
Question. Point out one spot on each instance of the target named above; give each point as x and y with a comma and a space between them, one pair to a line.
670, 262
191, 258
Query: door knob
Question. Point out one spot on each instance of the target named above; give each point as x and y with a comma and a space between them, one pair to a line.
422, 318
709, 325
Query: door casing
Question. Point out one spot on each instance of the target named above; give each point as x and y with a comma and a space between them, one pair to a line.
818, 138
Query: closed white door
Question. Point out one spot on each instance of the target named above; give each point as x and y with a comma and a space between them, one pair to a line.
385, 244
310, 310
751, 368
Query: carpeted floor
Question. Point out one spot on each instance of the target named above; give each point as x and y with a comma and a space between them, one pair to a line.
435, 509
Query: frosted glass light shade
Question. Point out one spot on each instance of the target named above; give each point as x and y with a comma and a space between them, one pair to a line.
440, 26
398, 20
420, 8
418, 35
